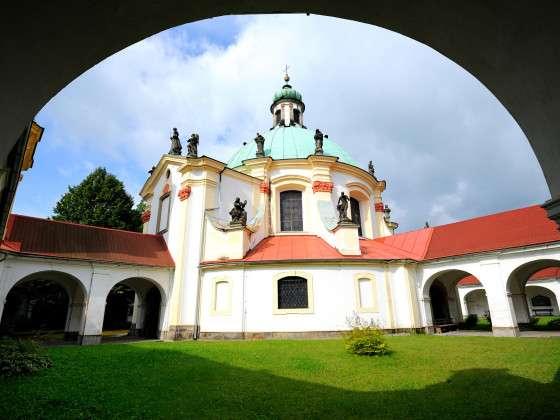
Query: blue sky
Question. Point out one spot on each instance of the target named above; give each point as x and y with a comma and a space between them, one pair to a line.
446, 147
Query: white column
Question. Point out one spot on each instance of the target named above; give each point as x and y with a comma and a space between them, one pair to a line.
92, 325
499, 303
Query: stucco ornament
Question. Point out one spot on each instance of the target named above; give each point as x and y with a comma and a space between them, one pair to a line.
260, 145
318, 142
192, 148
238, 213
176, 147
342, 208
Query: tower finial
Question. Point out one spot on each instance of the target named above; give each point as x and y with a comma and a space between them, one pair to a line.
286, 77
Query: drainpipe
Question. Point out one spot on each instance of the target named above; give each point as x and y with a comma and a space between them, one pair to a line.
243, 308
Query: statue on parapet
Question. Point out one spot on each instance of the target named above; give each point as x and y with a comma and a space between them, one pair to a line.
318, 142
238, 213
342, 208
176, 147
260, 145
192, 147
371, 169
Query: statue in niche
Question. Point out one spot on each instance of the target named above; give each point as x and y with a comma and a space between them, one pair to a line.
176, 147
192, 148
318, 142
371, 169
342, 208
260, 145
238, 213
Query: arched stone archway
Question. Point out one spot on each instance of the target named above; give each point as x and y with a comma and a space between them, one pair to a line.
134, 306
45, 301
516, 288
541, 301
476, 303
520, 71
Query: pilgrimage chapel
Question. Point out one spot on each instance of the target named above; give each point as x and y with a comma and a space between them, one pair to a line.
288, 238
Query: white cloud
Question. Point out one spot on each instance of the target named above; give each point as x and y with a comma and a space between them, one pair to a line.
428, 125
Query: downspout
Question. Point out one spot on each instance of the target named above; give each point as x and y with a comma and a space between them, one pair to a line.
243, 308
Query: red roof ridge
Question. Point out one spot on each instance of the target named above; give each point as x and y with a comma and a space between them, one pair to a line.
500, 213
83, 225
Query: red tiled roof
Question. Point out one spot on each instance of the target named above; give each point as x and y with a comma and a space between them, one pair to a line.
510, 229
545, 273
34, 236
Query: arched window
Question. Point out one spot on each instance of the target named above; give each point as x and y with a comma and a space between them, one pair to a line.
221, 297
355, 212
163, 214
292, 293
296, 116
291, 214
278, 116
541, 300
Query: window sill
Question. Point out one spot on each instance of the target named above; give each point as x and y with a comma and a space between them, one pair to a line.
277, 311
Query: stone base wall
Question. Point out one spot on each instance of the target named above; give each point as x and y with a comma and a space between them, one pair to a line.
178, 332
505, 331
86, 340
303, 335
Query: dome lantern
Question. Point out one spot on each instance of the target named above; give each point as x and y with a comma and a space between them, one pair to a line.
287, 106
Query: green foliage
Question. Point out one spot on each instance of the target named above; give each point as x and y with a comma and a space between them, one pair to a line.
21, 357
545, 323
365, 338
99, 200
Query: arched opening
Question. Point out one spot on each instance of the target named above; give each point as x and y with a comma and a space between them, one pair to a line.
46, 306
446, 293
297, 116
356, 215
132, 311
530, 290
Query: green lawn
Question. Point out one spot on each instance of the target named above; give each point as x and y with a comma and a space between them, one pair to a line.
425, 377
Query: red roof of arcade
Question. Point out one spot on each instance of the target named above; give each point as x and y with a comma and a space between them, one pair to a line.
509, 229
545, 273
49, 238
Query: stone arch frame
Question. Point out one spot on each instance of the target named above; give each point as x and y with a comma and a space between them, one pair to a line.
289, 183
555, 304
294, 273
214, 289
450, 278
77, 296
470, 293
517, 281
362, 194
140, 291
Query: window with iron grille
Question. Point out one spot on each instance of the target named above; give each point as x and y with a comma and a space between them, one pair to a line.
291, 214
292, 293
541, 300
355, 211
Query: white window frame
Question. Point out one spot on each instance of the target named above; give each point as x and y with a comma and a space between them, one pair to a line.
374, 301
214, 290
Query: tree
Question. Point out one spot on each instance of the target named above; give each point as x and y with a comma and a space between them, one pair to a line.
99, 200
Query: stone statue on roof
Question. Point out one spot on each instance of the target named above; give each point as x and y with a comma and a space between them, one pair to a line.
371, 169
260, 145
176, 147
318, 142
342, 208
192, 148
238, 213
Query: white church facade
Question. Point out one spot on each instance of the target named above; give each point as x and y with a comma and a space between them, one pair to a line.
289, 238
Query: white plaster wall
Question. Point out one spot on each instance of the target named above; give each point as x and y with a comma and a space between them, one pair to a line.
334, 300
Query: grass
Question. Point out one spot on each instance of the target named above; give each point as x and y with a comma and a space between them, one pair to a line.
424, 377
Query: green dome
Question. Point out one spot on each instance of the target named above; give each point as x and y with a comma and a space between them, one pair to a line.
287, 92
289, 143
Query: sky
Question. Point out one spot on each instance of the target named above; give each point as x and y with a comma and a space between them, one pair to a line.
446, 147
